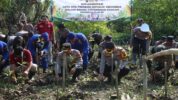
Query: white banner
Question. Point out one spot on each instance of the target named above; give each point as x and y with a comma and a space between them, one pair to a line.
91, 10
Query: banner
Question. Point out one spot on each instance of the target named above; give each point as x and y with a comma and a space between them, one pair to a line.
91, 10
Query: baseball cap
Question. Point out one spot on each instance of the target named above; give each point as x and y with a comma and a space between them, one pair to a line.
61, 25
109, 45
163, 37
170, 38
71, 36
108, 37
66, 46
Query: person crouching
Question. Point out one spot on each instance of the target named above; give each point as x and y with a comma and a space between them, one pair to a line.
73, 62
110, 55
21, 63
38, 45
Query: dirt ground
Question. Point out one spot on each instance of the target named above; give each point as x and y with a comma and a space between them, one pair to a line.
88, 88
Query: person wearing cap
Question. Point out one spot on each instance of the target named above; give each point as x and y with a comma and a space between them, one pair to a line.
73, 60
46, 26
170, 42
4, 56
157, 43
21, 59
139, 41
80, 42
95, 38
61, 35
107, 38
110, 55
162, 40
38, 46
159, 70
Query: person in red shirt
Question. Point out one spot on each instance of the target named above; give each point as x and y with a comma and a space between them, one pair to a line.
44, 25
21, 62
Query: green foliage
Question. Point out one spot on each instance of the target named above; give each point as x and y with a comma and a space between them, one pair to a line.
121, 30
87, 27
10, 11
161, 15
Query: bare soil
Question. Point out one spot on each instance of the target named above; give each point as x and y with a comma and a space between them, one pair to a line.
88, 88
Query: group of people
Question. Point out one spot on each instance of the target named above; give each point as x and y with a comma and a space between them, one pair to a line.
140, 43
79, 49
156, 66
28, 48
32, 47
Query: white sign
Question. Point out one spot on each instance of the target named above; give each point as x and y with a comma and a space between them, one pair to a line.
91, 10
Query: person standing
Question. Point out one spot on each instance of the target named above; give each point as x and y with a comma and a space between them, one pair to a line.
61, 35
139, 39
43, 26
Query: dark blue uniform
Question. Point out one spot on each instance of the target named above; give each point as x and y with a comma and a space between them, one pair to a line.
38, 43
4, 55
81, 44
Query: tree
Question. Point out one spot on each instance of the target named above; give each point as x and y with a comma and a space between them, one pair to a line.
87, 27
11, 10
161, 15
